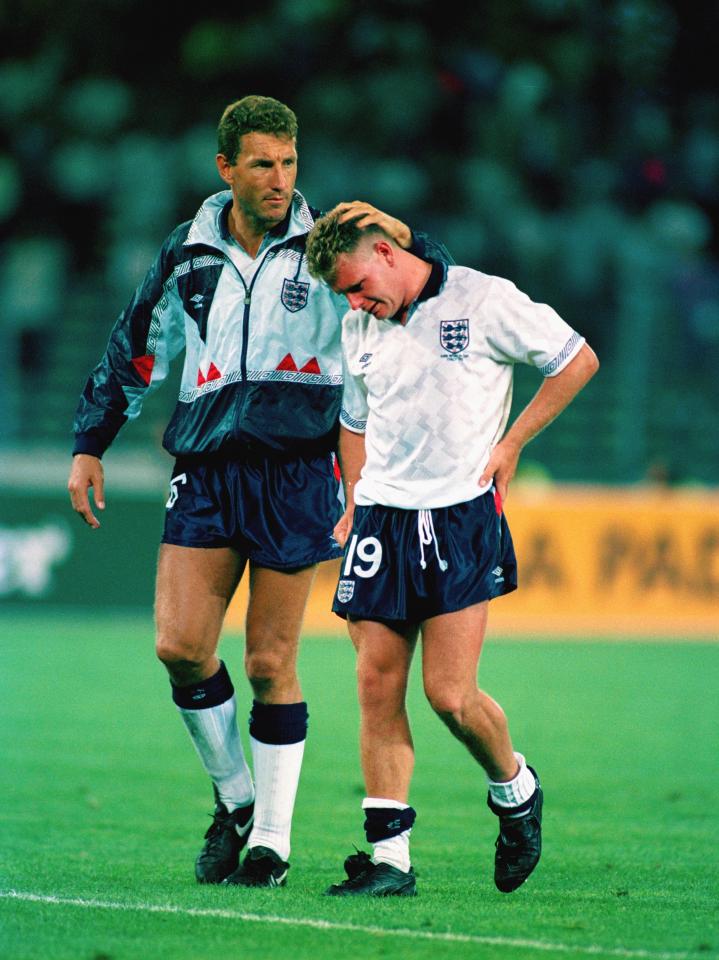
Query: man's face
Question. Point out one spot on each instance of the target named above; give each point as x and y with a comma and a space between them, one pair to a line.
262, 177
367, 277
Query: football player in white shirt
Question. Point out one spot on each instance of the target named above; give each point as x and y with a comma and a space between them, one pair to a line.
426, 463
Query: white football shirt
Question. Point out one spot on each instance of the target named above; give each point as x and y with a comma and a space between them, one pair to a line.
433, 396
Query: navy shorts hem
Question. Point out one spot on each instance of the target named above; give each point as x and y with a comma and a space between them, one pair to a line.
176, 542
295, 564
383, 618
262, 561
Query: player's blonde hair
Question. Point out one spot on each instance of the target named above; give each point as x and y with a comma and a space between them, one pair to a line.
329, 238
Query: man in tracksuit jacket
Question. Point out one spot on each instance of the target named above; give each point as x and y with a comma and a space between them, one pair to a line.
253, 434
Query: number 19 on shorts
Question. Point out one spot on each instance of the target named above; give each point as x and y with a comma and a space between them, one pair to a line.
368, 551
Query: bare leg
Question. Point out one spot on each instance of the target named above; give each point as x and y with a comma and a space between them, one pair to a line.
194, 588
451, 647
274, 621
386, 749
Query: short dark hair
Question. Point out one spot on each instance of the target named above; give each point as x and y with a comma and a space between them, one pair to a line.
253, 114
329, 238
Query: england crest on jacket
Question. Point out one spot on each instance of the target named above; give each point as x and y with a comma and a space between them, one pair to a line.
294, 294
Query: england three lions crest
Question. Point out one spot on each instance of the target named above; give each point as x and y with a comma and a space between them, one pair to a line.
294, 294
345, 590
454, 335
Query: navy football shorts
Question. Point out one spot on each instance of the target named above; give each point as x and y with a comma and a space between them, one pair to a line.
277, 513
404, 566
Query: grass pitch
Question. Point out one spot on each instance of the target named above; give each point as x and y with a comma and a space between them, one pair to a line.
104, 806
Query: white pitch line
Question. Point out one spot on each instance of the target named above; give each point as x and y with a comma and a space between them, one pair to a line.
593, 950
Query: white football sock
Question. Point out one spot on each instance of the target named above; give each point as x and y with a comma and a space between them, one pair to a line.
277, 774
214, 733
515, 792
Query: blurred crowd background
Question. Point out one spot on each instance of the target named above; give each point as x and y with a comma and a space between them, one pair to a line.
570, 145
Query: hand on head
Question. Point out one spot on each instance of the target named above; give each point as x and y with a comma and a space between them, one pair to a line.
366, 215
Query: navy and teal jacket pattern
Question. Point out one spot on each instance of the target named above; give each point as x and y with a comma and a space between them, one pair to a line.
262, 369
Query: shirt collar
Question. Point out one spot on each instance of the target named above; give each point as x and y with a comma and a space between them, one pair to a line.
210, 225
437, 276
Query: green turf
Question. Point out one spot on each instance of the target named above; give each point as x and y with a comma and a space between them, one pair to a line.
103, 800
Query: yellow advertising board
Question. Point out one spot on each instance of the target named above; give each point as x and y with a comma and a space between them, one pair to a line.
592, 563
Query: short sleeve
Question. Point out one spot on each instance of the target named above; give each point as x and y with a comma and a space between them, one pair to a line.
355, 409
354, 402
522, 331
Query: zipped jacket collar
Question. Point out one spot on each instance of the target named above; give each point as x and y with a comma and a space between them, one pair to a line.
210, 224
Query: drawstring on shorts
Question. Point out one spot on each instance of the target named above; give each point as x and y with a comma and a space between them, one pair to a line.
426, 534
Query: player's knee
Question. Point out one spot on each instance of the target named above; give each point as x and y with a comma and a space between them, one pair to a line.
446, 701
265, 668
179, 654
377, 686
